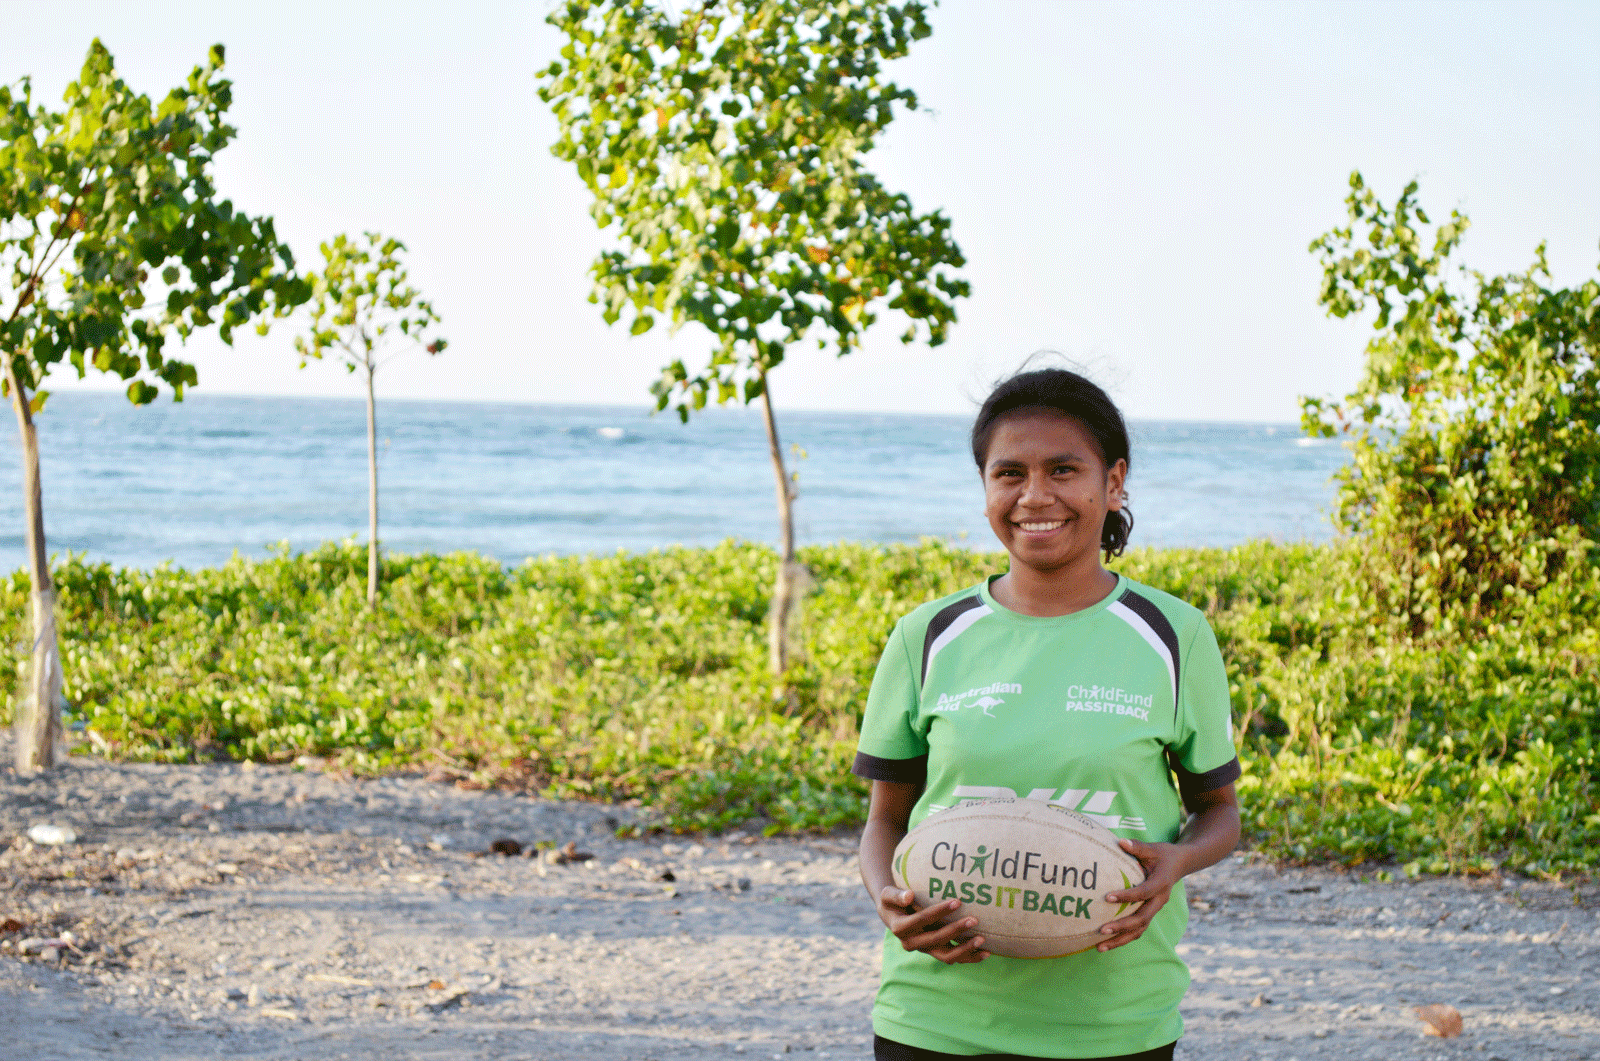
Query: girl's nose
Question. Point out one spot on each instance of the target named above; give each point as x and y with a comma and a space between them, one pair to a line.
1036, 491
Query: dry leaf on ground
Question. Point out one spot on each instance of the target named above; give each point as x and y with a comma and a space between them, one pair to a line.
1441, 1020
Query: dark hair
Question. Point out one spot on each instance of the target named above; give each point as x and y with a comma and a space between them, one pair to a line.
1070, 395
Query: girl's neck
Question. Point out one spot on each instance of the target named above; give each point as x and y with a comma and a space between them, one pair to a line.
1052, 593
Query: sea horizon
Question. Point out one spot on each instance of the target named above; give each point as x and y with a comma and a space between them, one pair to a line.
643, 408
194, 482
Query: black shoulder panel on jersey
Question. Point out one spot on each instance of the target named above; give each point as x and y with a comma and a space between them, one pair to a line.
941, 622
1191, 784
901, 771
1153, 617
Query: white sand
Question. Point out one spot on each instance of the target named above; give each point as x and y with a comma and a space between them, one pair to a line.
317, 903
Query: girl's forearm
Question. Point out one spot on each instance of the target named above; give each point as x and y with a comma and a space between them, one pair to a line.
1209, 836
878, 841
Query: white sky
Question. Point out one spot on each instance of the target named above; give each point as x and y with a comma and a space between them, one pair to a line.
1133, 185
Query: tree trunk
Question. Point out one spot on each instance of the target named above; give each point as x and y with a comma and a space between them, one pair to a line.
372, 492
38, 720
784, 587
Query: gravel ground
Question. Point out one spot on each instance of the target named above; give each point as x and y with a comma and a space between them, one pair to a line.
285, 912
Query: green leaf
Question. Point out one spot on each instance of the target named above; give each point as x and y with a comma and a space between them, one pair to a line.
167, 215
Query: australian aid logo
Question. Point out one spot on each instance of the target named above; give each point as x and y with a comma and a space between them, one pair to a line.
987, 698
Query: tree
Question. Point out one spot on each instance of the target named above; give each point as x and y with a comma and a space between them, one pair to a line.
362, 298
1475, 428
112, 237
725, 146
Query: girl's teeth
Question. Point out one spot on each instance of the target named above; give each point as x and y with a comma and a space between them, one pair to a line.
1041, 526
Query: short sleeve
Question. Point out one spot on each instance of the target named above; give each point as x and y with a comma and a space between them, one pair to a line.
1202, 755
892, 747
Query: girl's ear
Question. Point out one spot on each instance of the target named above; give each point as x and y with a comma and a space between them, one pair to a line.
1116, 477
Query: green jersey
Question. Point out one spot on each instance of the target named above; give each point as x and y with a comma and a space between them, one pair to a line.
1112, 711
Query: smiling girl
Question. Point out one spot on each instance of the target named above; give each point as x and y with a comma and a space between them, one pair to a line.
1070, 643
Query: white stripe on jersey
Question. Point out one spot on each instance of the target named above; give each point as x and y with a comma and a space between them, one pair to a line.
953, 631
1142, 628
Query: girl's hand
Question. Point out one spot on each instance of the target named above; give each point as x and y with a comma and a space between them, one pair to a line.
1210, 833
1164, 866
926, 931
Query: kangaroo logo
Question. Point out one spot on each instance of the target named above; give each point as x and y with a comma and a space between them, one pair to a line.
987, 698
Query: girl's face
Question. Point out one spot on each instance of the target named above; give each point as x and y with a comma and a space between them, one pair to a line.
1046, 490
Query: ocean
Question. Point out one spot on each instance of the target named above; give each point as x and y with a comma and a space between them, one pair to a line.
195, 482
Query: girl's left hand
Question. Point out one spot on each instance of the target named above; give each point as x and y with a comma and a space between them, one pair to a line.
1163, 867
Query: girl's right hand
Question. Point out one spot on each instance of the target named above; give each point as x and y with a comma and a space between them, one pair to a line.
925, 930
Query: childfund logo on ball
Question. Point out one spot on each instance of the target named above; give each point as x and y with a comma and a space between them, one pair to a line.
948, 857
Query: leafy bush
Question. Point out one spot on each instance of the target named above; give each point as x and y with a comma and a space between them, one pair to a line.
644, 677
1475, 428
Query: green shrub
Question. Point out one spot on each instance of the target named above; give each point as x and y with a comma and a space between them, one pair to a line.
644, 677
1475, 428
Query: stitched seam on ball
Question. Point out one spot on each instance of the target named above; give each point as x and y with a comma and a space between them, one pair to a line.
1085, 837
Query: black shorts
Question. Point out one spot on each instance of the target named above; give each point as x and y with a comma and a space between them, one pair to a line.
889, 1050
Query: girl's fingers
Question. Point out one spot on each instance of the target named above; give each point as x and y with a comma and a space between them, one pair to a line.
1127, 929
1120, 940
1135, 925
939, 936
931, 915
928, 916
895, 897
926, 929
1143, 893
1138, 849
963, 953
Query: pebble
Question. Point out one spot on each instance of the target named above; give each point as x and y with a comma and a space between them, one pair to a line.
53, 834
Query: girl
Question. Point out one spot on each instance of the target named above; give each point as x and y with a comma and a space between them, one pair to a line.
1122, 713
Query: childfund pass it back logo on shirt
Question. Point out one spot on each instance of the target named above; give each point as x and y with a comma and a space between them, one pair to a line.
988, 698
1105, 699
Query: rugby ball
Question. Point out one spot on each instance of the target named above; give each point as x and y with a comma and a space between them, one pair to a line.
1033, 875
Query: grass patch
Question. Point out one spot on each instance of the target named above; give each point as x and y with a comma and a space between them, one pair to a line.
644, 677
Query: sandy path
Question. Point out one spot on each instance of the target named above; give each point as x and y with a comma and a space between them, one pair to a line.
220, 911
